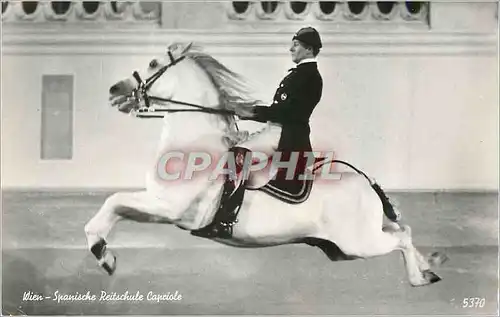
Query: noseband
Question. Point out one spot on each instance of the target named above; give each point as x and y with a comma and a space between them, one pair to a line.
141, 94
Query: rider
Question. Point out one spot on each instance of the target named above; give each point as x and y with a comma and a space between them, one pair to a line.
294, 101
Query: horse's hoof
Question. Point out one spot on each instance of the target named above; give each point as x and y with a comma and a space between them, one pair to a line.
427, 277
430, 277
437, 258
98, 249
108, 262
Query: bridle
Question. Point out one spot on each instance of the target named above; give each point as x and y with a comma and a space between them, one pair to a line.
141, 94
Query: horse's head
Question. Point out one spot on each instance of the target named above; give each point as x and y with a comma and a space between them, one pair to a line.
156, 79
184, 74
187, 80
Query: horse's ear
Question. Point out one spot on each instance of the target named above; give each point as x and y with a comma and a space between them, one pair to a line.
178, 49
187, 48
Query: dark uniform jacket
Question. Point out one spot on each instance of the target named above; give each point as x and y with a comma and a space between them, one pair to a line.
294, 101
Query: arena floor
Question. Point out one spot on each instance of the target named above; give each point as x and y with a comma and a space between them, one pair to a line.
43, 251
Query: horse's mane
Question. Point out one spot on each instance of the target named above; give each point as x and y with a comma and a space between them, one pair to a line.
232, 88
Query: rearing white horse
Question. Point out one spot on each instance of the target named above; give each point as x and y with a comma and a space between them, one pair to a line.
344, 218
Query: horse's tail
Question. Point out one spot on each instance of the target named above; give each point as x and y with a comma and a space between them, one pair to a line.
390, 211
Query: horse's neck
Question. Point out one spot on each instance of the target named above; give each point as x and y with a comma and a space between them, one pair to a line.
185, 127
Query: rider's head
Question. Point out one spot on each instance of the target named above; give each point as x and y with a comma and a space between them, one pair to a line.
306, 43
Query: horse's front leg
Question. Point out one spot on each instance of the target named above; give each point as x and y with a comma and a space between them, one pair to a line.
137, 206
100, 225
98, 228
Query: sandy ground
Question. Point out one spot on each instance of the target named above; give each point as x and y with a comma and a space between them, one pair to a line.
44, 252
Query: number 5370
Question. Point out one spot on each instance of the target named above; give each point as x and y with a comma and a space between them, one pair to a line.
473, 302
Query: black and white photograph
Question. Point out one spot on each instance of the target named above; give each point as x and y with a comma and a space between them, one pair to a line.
250, 158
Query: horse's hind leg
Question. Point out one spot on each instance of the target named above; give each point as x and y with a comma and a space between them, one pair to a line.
424, 263
382, 242
417, 266
138, 206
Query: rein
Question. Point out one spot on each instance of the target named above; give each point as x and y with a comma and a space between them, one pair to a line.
198, 108
141, 93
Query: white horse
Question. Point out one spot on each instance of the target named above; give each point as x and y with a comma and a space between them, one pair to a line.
344, 218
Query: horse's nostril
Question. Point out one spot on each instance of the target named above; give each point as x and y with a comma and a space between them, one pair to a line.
114, 89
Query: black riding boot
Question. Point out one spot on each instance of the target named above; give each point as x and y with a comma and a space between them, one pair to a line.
230, 201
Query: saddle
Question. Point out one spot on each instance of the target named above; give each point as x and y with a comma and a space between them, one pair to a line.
292, 191
297, 189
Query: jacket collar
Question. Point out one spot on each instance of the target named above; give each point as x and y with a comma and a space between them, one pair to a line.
307, 60
304, 62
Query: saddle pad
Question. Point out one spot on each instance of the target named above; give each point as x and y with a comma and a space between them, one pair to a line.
289, 191
294, 191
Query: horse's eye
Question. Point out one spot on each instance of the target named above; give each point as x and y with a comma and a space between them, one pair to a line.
153, 63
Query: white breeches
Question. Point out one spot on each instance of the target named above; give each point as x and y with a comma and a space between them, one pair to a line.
263, 145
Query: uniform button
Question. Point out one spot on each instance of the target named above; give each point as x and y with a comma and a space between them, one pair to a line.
281, 85
275, 101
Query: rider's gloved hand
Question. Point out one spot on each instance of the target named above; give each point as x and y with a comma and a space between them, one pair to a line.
245, 110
